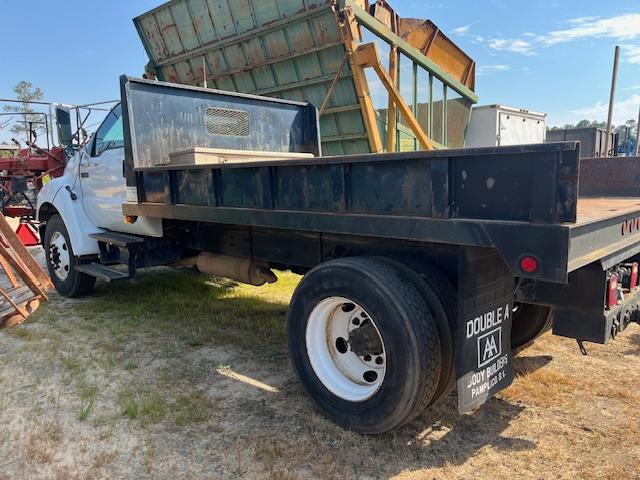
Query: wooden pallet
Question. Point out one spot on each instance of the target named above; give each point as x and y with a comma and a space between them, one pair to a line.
27, 278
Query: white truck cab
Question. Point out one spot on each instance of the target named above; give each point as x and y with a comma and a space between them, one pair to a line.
87, 199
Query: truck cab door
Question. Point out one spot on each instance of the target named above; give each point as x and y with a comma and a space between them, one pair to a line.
103, 183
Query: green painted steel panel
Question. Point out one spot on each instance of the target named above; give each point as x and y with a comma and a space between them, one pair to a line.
290, 49
220, 14
169, 31
202, 21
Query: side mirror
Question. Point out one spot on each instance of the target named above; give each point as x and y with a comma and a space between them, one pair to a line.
63, 125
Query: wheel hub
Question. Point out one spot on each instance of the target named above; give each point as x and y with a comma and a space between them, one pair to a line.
365, 340
55, 256
346, 349
59, 256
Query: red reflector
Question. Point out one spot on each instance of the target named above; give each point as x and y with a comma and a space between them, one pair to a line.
632, 226
612, 294
624, 228
633, 282
529, 264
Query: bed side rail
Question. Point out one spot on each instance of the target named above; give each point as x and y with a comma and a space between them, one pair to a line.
610, 177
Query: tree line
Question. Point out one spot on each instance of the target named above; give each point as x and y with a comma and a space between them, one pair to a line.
630, 124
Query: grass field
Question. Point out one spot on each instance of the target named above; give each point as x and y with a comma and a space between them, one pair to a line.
176, 375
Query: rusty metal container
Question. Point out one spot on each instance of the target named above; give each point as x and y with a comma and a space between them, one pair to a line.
592, 140
302, 50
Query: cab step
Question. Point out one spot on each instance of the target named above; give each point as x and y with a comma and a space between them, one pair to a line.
102, 272
118, 248
121, 254
117, 239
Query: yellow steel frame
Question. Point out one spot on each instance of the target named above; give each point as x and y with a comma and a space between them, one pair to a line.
351, 36
366, 56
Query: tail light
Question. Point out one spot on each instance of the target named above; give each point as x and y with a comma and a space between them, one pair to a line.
612, 293
633, 276
529, 264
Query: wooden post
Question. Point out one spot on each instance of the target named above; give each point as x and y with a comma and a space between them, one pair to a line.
9, 272
25, 274
23, 255
18, 309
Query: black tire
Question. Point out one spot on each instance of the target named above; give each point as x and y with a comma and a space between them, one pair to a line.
76, 284
409, 332
528, 323
440, 297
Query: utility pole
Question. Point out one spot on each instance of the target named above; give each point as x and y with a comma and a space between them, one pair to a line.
612, 99
638, 135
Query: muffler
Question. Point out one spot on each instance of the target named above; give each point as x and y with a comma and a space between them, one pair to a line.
242, 270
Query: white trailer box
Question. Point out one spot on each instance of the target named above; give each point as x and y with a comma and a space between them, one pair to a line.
497, 125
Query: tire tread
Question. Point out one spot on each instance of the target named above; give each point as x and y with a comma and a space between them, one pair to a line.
81, 284
423, 336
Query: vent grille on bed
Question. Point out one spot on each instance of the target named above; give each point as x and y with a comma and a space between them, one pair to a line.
222, 121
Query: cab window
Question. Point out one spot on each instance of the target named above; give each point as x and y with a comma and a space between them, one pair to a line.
110, 134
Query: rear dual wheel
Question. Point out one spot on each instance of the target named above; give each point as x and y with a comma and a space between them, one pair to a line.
528, 323
365, 343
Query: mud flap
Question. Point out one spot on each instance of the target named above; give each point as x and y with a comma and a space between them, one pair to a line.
484, 362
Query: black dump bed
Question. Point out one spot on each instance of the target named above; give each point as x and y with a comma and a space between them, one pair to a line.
521, 200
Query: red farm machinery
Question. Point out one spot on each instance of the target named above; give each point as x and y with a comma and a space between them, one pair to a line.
29, 162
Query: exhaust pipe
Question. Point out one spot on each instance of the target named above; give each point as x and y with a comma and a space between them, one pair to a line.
243, 270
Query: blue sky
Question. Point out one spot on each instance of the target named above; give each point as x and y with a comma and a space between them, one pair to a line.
552, 56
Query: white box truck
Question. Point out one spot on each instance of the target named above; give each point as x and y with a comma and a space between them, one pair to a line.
499, 125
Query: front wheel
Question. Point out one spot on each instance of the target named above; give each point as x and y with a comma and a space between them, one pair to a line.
61, 261
364, 344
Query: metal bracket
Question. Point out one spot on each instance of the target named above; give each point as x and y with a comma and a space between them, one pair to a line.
366, 56
583, 350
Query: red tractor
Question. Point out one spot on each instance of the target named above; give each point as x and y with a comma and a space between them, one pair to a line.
23, 175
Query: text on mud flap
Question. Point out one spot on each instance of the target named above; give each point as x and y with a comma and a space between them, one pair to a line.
490, 361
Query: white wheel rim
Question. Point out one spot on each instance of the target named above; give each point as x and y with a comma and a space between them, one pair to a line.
59, 256
331, 338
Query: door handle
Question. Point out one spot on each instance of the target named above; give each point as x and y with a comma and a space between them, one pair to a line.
71, 194
89, 164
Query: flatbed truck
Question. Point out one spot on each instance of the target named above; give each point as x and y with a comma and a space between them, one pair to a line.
421, 270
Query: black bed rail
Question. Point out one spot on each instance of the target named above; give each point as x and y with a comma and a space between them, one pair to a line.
534, 183
610, 177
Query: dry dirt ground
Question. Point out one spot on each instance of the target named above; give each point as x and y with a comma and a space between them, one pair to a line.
180, 376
